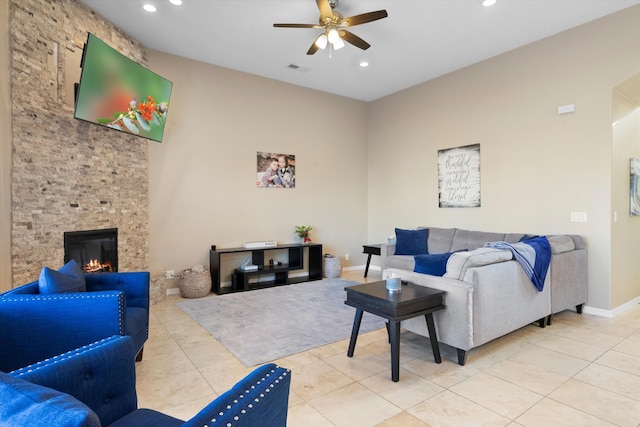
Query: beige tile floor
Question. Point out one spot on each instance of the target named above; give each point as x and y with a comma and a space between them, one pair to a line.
582, 371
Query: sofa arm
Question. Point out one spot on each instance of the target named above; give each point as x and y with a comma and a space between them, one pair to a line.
386, 250
135, 285
454, 324
569, 280
35, 327
261, 398
101, 375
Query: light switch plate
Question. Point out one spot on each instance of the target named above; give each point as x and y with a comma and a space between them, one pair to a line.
565, 109
578, 217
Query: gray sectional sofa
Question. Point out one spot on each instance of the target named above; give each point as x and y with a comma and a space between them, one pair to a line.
488, 292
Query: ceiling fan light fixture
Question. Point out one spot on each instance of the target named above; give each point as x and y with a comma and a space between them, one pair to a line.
487, 3
334, 23
333, 36
321, 41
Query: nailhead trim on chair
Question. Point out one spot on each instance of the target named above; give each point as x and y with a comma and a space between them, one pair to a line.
61, 357
250, 405
74, 295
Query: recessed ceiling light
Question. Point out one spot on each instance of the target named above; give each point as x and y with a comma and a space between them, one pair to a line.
364, 64
176, 2
487, 3
149, 7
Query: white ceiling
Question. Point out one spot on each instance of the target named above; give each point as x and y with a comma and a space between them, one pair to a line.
418, 41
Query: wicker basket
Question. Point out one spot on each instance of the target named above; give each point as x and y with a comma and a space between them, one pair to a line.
332, 266
195, 284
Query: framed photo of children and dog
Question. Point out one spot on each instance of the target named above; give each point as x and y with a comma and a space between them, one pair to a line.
276, 170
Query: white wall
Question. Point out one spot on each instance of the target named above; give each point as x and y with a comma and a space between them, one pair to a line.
625, 232
536, 166
202, 177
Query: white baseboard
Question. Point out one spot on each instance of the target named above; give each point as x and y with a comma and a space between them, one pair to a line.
361, 267
611, 313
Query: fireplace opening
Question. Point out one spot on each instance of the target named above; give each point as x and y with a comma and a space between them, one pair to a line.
95, 250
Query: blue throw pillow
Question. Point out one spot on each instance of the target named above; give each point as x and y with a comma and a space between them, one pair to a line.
69, 278
411, 242
433, 264
28, 404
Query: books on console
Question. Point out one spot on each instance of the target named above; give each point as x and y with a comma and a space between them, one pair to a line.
261, 244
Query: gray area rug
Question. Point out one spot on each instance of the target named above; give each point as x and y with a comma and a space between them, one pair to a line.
267, 324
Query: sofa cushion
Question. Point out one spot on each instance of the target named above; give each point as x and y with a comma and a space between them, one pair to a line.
560, 243
402, 262
577, 241
513, 237
433, 264
468, 239
28, 404
411, 242
439, 240
69, 278
460, 262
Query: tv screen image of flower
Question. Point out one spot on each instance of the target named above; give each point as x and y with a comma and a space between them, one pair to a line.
118, 93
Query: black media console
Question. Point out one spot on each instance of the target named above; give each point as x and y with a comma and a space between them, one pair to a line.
240, 279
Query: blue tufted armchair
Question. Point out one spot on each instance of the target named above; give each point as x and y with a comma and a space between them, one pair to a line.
113, 304
94, 386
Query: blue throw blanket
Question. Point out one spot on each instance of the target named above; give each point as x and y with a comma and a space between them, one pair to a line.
534, 255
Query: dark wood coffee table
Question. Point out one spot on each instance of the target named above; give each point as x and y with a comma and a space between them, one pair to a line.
413, 300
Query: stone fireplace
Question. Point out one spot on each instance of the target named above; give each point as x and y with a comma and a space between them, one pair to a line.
68, 174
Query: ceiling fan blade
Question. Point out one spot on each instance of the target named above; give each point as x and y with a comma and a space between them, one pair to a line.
363, 18
314, 48
297, 26
325, 9
354, 40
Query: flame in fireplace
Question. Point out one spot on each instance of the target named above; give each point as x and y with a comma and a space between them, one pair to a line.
95, 266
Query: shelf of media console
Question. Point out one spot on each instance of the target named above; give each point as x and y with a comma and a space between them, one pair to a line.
240, 280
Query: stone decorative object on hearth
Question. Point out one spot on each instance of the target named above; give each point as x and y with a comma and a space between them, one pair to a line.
157, 289
332, 266
195, 283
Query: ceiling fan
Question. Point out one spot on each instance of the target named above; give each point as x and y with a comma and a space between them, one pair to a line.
334, 25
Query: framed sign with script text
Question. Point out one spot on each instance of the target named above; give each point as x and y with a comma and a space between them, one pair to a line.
459, 177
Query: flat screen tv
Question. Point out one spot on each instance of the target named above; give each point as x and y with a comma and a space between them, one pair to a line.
118, 93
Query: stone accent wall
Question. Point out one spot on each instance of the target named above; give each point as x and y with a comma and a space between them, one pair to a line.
68, 175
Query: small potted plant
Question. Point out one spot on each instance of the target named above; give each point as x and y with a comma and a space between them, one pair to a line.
303, 232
